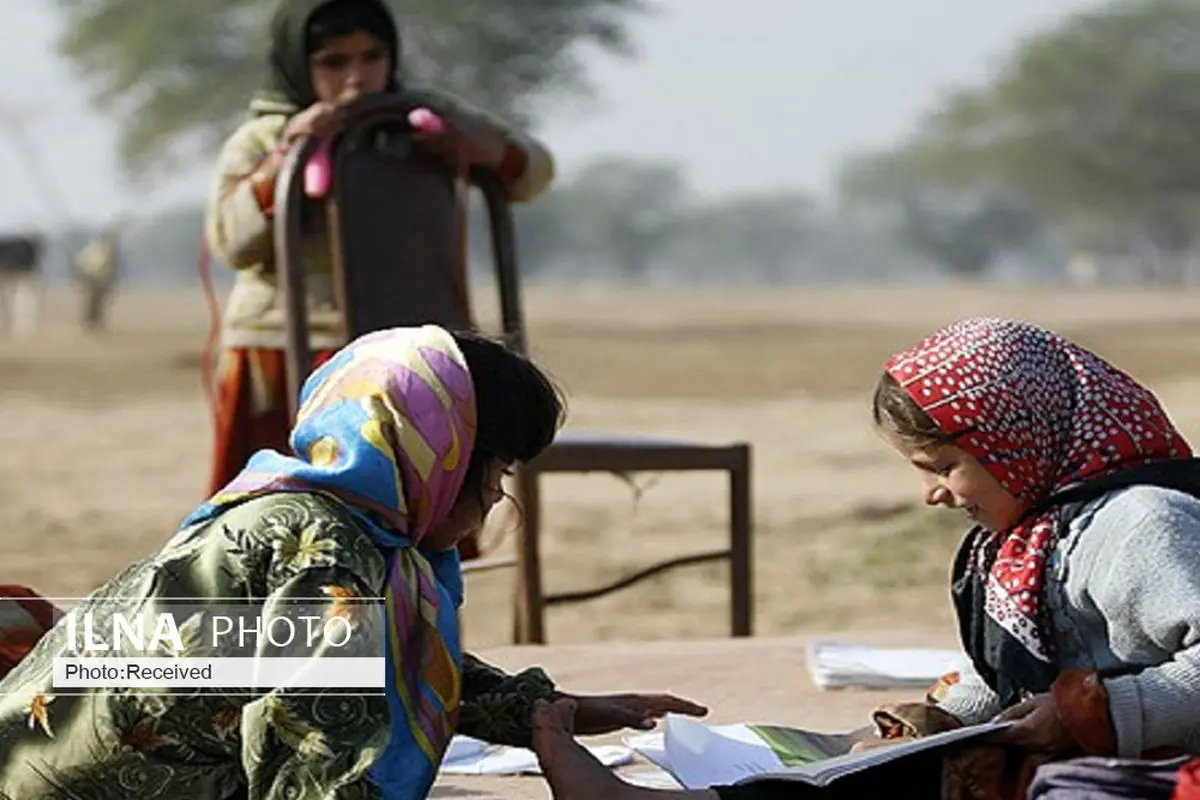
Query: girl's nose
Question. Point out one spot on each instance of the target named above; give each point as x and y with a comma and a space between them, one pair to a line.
936, 494
355, 76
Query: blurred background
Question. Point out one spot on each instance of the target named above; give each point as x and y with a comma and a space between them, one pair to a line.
757, 202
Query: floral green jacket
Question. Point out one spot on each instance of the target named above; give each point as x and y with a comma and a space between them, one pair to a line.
95, 744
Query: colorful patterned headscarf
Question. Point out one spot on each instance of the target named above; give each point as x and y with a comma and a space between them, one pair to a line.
1040, 413
387, 426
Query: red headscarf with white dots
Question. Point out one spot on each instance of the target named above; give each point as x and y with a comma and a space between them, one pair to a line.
1039, 413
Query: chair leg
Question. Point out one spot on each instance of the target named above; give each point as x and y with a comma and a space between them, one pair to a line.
530, 617
741, 584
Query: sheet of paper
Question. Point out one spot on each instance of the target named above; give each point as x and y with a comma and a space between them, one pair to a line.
649, 746
464, 747
654, 778
467, 756
837, 664
700, 756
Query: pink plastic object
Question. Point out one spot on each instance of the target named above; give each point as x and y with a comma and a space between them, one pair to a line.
318, 172
425, 121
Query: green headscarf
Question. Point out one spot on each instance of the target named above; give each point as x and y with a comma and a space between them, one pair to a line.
290, 86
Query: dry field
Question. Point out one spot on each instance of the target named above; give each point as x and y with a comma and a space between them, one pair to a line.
106, 443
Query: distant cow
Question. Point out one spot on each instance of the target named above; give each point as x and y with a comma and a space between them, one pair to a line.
20, 279
20, 254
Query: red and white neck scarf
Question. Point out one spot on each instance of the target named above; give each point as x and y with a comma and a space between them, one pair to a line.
1039, 413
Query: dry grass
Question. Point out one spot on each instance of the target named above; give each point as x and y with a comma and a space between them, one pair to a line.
106, 445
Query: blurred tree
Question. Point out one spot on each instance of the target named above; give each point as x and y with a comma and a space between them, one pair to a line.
963, 230
966, 236
178, 74
614, 217
1096, 117
625, 211
752, 237
548, 235
164, 247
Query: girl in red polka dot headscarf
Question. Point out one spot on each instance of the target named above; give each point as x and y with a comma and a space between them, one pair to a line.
1020, 429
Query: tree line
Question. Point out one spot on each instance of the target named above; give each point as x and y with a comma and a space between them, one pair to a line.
1081, 143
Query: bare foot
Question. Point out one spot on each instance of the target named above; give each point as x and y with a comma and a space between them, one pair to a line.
573, 772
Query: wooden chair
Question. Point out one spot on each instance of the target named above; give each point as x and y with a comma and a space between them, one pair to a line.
396, 223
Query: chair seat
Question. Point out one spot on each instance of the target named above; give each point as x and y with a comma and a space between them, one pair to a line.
489, 564
595, 451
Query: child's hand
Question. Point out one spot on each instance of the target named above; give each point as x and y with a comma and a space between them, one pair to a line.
318, 120
453, 141
874, 743
598, 714
1036, 726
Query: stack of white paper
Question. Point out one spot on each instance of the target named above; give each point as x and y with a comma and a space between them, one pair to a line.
838, 665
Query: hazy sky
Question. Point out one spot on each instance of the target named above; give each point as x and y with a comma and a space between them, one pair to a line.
748, 94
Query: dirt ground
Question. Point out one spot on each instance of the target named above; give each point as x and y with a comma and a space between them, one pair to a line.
106, 444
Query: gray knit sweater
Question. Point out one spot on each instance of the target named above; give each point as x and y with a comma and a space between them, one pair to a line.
1123, 587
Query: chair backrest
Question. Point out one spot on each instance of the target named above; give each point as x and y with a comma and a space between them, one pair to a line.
399, 228
396, 227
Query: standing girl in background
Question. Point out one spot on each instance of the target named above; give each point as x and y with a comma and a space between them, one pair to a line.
324, 54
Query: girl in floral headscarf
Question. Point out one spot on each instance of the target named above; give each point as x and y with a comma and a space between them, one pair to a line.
401, 442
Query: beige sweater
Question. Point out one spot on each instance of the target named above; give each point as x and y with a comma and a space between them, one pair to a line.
242, 237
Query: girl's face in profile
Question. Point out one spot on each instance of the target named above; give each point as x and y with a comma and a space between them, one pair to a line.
349, 66
955, 479
469, 512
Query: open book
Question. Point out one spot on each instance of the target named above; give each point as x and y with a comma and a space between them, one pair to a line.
699, 756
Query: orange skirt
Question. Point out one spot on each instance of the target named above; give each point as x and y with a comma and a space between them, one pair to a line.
252, 414
25, 616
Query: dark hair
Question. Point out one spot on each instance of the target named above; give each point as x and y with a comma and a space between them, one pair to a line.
344, 17
518, 408
900, 419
